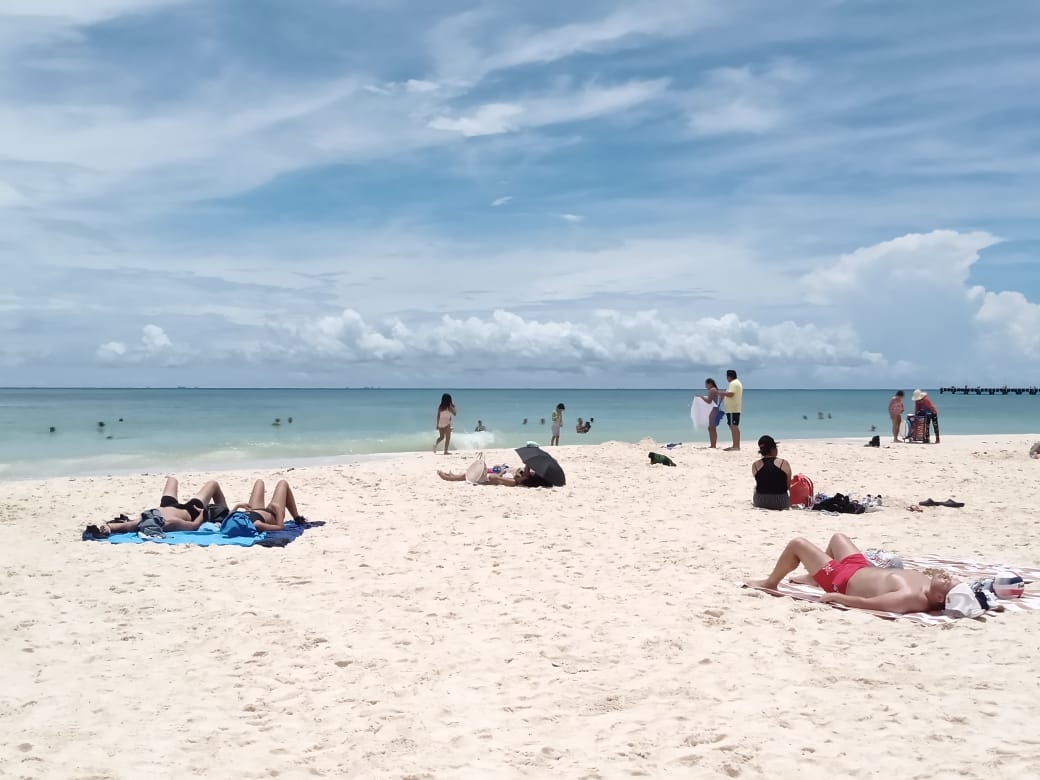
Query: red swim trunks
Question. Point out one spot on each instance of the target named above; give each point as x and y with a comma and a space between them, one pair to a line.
835, 575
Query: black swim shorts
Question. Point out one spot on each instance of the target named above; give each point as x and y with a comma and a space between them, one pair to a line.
732, 418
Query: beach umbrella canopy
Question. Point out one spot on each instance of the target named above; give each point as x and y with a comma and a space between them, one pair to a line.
544, 465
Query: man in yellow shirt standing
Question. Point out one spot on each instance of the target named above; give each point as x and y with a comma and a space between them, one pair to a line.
732, 397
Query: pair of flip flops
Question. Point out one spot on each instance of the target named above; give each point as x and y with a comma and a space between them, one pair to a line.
948, 502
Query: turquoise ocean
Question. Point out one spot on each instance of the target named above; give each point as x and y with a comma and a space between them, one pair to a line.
187, 429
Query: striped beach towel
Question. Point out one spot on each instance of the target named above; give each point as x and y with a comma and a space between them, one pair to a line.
963, 569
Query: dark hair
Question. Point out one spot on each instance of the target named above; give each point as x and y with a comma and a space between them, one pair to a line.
731, 374
766, 444
710, 381
560, 406
900, 393
445, 402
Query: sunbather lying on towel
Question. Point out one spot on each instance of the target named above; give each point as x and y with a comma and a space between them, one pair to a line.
170, 515
270, 516
849, 579
520, 477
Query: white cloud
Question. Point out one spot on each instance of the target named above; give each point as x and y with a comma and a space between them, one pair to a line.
740, 100
925, 266
572, 218
489, 119
1012, 319
502, 201
588, 103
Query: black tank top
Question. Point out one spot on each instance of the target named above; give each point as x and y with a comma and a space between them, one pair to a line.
770, 479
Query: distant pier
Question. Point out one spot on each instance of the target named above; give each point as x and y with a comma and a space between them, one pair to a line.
1005, 390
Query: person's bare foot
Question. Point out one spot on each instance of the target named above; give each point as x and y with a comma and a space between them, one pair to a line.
731, 449
802, 579
766, 583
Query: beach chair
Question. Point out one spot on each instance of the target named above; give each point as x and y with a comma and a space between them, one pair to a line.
917, 430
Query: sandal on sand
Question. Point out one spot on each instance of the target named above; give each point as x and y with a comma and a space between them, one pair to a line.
914, 508
951, 502
929, 502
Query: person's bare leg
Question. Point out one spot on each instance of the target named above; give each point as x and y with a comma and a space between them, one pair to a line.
798, 551
896, 425
440, 437
447, 440
256, 497
840, 546
447, 475
713, 436
170, 489
282, 501
734, 431
211, 492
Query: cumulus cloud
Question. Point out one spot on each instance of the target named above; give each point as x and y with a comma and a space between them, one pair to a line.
933, 263
154, 345
609, 339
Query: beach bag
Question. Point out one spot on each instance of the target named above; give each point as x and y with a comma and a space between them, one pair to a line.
476, 472
718, 415
801, 490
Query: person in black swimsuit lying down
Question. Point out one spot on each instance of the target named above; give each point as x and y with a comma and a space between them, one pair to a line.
772, 477
270, 516
171, 515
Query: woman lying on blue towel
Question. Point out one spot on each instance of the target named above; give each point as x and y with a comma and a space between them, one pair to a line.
269, 516
207, 505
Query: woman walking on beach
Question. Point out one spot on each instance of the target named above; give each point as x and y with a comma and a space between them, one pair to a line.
445, 412
713, 416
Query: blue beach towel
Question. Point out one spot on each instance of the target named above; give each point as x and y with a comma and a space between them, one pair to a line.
209, 535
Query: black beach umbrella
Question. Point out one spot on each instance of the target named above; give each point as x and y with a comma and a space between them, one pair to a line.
544, 465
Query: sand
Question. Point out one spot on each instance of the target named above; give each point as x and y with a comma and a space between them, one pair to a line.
437, 629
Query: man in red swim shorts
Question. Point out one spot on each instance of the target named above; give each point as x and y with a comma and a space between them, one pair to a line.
848, 578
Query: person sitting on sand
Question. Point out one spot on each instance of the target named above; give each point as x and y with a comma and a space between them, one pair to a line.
520, 477
849, 579
270, 516
208, 504
772, 477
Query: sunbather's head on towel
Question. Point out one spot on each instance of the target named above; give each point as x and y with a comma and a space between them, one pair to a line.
848, 578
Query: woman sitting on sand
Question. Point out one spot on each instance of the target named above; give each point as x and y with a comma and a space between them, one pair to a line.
772, 477
208, 504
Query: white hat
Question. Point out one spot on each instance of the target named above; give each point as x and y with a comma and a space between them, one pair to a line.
919, 394
962, 601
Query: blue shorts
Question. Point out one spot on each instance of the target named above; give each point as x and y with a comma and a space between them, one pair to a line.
732, 418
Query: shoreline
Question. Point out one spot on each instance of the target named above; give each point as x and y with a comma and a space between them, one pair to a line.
445, 629
334, 460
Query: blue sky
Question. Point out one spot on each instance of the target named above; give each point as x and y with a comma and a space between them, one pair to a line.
594, 194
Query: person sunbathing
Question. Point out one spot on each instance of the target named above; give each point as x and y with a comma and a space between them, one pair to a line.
516, 479
270, 516
208, 504
849, 579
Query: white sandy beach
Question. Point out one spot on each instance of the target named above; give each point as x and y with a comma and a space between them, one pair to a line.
442, 630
